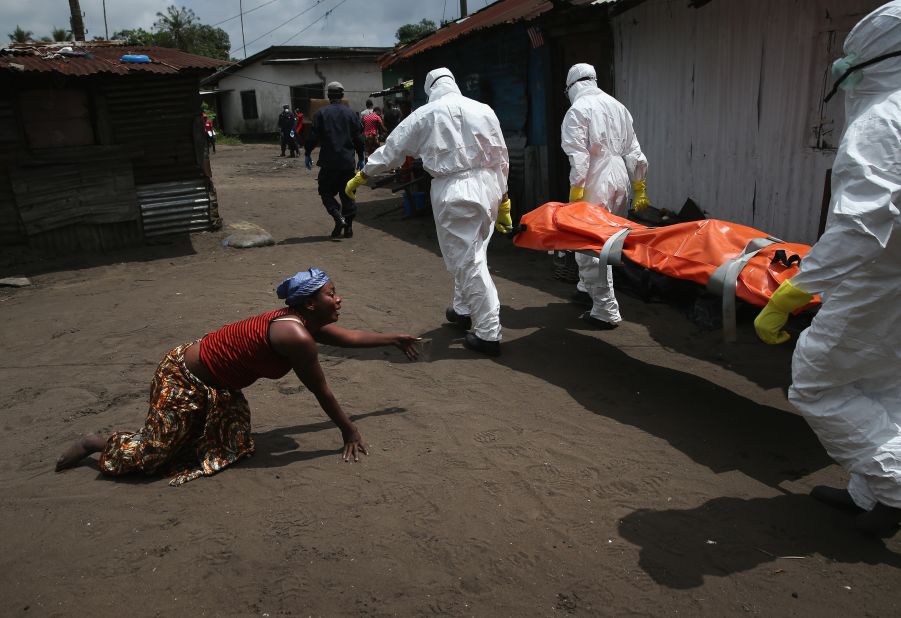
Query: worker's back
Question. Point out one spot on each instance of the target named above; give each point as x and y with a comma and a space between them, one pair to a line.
336, 130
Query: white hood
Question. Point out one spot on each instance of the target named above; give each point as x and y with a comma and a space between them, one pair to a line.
876, 34
439, 82
580, 80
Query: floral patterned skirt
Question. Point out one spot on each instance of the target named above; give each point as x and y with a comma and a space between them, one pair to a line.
191, 429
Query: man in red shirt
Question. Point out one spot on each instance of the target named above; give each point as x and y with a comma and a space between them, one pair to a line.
210, 133
298, 126
372, 127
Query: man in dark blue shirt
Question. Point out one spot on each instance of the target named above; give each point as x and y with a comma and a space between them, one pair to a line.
338, 132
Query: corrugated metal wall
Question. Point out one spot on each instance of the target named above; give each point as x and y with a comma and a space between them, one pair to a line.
175, 207
147, 132
55, 194
726, 101
156, 116
491, 67
10, 228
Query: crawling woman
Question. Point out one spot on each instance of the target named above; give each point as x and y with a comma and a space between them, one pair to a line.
199, 421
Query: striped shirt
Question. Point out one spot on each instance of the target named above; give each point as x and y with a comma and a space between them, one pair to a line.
371, 124
239, 354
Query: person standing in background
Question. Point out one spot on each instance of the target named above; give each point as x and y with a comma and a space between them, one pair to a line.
367, 110
337, 131
372, 128
298, 127
392, 116
286, 128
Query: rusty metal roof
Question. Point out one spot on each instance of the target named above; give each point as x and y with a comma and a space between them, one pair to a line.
100, 57
503, 12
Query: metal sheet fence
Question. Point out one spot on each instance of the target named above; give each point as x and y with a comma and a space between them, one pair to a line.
174, 207
726, 101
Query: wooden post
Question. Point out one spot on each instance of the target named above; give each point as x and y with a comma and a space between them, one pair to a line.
76, 20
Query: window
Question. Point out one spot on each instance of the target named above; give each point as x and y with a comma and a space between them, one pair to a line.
301, 95
249, 104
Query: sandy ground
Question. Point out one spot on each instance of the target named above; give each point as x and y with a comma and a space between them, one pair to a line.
649, 471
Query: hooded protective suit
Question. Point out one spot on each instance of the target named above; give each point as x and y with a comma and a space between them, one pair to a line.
462, 147
603, 152
846, 369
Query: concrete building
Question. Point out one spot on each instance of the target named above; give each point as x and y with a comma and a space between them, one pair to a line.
249, 95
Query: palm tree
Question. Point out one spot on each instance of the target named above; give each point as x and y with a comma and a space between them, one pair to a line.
60, 34
20, 36
177, 23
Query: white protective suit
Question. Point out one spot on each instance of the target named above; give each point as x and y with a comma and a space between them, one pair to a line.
462, 147
846, 369
604, 153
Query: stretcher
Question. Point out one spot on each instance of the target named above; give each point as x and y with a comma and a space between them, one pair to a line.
729, 259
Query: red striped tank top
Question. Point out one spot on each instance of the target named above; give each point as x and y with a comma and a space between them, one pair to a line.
239, 354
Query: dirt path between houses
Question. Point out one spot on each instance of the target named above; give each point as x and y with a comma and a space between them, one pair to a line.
651, 470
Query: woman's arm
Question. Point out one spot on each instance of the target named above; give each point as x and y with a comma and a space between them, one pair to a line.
296, 343
332, 334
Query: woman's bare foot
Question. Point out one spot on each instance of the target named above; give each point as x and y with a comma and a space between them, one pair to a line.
80, 449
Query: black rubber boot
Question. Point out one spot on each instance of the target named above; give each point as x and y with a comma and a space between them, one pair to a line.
463, 321
488, 348
882, 521
836, 498
348, 227
339, 225
596, 322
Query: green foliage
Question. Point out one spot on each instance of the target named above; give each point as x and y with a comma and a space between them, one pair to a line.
60, 34
179, 28
20, 36
138, 36
209, 41
228, 140
412, 32
209, 111
176, 22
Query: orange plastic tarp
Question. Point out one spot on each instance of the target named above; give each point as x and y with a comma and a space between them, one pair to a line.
691, 251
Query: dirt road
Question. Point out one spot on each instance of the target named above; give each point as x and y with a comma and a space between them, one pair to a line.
649, 470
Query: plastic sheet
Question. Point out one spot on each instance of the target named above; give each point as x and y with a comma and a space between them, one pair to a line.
690, 251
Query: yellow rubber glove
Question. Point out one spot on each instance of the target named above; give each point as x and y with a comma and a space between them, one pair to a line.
786, 299
504, 223
576, 194
351, 189
640, 199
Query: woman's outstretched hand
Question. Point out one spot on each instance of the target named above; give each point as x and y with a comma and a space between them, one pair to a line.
407, 344
353, 445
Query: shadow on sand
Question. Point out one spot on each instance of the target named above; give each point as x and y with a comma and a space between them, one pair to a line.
277, 447
678, 548
19, 261
767, 366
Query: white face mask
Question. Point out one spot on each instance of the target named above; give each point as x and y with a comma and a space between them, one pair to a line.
842, 66
848, 75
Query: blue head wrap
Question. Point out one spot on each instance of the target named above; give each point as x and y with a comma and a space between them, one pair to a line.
303, 284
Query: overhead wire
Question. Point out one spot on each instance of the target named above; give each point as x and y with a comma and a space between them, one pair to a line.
281, 25
324, 15
310, 25
244, 13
